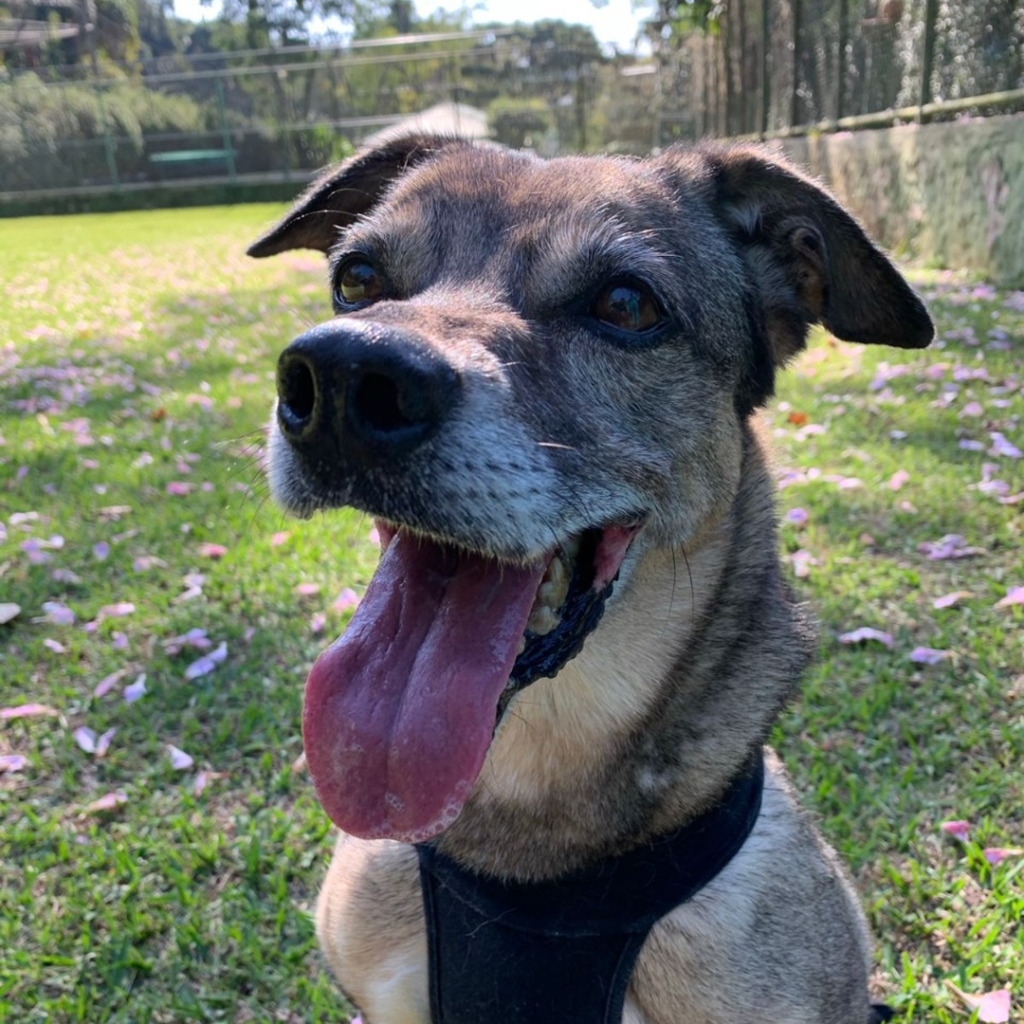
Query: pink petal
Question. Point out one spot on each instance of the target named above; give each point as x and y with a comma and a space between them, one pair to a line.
204, 778
57, 613
54, 645
802, 561
119, 641
207, 663
279, 538
956, 829
797, 516
307, 589
106, 803
85, 738
317, 623
136, 690
858, 636
898, 479
929, 655
1013, 596
27, 711
180, 761
116, 611
105, 685
12, 762
997, 854
948, 600
179, 487
992, 1007
348, 598
103, 742
145, 562
208, 550
1001, 446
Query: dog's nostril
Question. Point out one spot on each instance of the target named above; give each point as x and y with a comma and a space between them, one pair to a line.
375, 402
296, 388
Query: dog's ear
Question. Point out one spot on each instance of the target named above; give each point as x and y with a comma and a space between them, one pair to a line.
810, 261
343, 193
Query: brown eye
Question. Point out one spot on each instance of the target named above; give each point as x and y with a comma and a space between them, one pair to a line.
627, 307
359, 284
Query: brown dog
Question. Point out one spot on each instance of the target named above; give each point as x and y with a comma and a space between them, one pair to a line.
540, 380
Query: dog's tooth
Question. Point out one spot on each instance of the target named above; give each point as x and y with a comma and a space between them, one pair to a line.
542, 620
522, 646
571, 547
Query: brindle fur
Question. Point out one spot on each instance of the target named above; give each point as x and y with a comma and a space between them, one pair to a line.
492, 256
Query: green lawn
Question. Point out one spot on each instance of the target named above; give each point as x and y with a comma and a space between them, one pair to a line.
136, 370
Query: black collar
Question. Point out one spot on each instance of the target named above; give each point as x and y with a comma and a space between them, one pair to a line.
565, 948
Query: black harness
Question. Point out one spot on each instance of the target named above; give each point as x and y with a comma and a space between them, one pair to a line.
564, 950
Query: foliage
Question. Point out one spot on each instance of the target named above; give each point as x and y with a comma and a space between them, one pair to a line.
39, 122
515, 122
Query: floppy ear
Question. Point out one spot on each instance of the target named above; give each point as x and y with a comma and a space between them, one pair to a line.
810, 261
343, 193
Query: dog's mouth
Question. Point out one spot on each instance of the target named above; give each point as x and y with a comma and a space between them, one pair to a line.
399, 712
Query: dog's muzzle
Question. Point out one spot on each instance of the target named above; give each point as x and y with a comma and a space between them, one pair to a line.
361, 393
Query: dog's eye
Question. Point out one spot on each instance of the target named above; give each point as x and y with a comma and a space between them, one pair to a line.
358, 283
628, 307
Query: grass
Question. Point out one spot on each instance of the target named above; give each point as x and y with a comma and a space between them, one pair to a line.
136, 352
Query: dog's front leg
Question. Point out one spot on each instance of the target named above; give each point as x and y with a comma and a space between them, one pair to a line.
369, 920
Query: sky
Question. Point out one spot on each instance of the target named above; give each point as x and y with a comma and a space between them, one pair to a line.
615, 22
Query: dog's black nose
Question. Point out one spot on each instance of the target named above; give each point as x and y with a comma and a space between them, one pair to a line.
366, 390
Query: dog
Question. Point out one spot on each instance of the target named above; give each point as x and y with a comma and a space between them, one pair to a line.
541, 380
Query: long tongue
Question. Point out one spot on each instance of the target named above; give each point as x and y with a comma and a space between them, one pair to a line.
399, 711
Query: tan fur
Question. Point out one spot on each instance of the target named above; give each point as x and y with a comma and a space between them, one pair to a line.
559, 427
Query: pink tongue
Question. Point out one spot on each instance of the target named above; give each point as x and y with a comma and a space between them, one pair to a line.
399, 712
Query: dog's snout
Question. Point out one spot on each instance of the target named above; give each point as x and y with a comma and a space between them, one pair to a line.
363, 390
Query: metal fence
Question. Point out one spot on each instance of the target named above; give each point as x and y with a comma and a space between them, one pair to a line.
759, 67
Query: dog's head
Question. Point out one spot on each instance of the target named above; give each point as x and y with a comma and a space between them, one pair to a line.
536, 372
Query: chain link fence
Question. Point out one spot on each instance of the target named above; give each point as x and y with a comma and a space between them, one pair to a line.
758, 67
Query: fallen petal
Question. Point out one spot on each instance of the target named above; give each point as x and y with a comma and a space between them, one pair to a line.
103, 742
8, 612
12, 762
27, 711
992, 1007
858, 636
307, 589
107, 683
180, 761
797, 516
317, 623
929, 655
1014, 596
348, 598
57, 613
85, 738
957, 829
279, 538
204, 778
948, 600
110, 802
898, 479
54, 645
997, 854
208, 550
135, 690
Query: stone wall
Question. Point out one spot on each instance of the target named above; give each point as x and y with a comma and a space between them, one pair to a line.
951, 195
